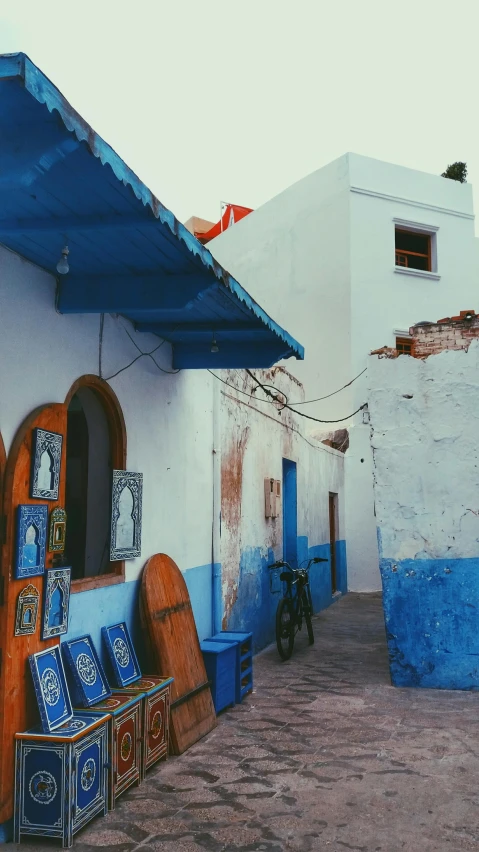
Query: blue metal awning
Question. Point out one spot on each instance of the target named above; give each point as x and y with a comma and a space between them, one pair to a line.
59, 181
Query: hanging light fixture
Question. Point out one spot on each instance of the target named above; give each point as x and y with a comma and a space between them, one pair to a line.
63, 265
214, 346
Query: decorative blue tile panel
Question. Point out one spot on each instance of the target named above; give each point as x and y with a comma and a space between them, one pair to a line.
51, 688
121, 653
126, 509
46, 461
89, 681
56, 602
30, 541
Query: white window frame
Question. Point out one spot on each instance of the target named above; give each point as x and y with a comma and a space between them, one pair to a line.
427, 230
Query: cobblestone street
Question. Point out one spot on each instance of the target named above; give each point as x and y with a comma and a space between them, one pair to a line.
324, 754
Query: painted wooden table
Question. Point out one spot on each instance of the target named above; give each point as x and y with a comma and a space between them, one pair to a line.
61, 778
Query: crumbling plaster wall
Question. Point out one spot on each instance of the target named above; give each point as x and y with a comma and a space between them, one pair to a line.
425, 439
254, 440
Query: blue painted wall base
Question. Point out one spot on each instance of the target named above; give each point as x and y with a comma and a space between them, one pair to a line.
259, 589
431, 616
92, 610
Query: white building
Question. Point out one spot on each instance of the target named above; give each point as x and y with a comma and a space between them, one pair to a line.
322, 256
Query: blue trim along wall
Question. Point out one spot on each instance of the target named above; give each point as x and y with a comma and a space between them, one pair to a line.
431, 616
92, 610
259, 589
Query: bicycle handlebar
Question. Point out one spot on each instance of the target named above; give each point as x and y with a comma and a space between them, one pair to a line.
282, 564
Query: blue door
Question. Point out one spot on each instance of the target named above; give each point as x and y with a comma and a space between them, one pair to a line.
290, 512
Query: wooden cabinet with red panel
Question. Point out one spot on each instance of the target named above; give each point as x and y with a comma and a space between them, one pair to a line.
155, 696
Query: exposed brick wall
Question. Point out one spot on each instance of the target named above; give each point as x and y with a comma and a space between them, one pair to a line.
448, 333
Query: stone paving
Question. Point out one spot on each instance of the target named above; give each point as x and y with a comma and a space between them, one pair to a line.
324, 754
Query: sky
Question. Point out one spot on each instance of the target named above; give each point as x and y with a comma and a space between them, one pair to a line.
210, 100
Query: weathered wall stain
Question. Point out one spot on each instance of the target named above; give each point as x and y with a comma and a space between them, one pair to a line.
232, 478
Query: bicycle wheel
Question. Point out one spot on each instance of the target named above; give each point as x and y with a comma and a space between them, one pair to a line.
307, 618
285, 628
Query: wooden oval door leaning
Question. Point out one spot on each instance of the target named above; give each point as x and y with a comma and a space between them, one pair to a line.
171, 628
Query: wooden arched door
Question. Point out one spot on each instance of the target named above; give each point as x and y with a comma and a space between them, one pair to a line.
18, 709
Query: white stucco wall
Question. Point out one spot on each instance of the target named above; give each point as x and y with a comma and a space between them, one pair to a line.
383, 300
292, 255
426, 454
168, 417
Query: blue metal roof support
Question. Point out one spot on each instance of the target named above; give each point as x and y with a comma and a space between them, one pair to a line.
128, 253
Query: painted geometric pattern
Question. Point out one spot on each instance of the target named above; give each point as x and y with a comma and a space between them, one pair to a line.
126, 513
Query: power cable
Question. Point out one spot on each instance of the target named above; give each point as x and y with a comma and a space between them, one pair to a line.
300, 413
141, 355
306, 402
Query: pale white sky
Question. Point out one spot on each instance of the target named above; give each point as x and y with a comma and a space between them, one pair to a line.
210, 100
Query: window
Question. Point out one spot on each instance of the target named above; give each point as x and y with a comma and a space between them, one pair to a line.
413, 250
95, 445
405, 345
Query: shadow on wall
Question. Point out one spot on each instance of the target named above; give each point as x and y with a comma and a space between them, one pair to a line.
260, 589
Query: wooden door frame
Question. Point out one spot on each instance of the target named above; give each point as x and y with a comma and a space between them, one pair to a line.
333, 538
118, 447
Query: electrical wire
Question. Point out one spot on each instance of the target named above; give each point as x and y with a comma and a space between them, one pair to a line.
306, 402
150, 354
238, 390
301, 413
141, 355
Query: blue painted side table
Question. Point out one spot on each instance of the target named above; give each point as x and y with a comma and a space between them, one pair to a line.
220, 665
61, 778
244, 659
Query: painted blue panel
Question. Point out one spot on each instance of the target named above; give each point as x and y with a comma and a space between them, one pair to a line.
120, 649
51, 688
430, 611
290, 512
86, 678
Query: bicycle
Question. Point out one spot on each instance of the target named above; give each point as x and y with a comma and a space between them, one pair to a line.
295, 605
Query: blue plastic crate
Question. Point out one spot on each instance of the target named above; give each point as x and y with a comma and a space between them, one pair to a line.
243, 643
220, 665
